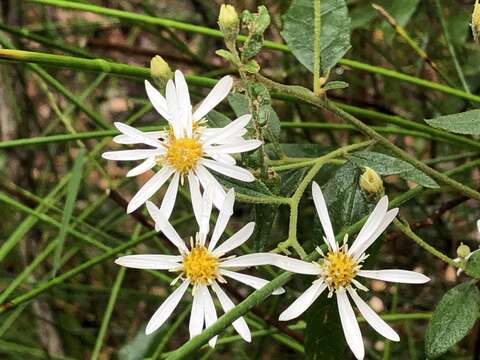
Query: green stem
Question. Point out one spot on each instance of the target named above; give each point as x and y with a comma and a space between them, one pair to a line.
144, 73
268, 44
317, 47
108, 312
307, 96
451, 49
422, 243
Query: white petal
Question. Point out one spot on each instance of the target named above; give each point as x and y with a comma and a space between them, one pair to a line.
232, 171
389, 216
206, 211
208, 180
322, 212
371, 225
223, 158
351, 330
239, 325
253, 281
158, 262
478, 225
232, 129
149, 188
210, 315
171, 97
127, 140
217, 94
136, 134
166, 309
303, 302
157, 100
246, 145
372, 318
169, 199
162, 224
183, 96
224, 215
197, 316
398, 276
146, 165
283, 262
235, 240
128, 155
195, 196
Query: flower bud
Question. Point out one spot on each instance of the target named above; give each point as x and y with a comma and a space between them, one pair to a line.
370, 181
463, 251
476, 21
229, 22
160, 71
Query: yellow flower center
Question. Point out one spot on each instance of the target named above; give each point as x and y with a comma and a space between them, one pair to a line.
183, 154
339, 269
200, 266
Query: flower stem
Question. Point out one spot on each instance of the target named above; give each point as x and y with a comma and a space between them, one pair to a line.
317, 47
407, 231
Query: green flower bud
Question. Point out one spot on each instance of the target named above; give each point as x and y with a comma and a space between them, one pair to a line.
160, 71
463, 251
476, 21
229, 22
370, 181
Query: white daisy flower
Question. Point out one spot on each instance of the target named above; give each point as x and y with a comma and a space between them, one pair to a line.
202, 265
187, 148
339, 269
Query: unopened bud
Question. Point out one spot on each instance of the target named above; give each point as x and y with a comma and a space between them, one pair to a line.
476, 21
370, 181
463, 251
160, 71
229, 22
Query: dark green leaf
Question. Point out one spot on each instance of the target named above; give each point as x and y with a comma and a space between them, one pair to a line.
254, 188
298, 32
324, 339
290, 181
346, 202
473, 265
389, 165
467, 122
264, 216
217, 120
453, 318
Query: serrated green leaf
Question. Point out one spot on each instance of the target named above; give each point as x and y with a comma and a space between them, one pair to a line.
298, 32
473, 265
388, 165
467, 122
452, 319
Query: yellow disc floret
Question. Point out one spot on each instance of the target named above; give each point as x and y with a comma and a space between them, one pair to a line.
339, 269
183, 154
200, 266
